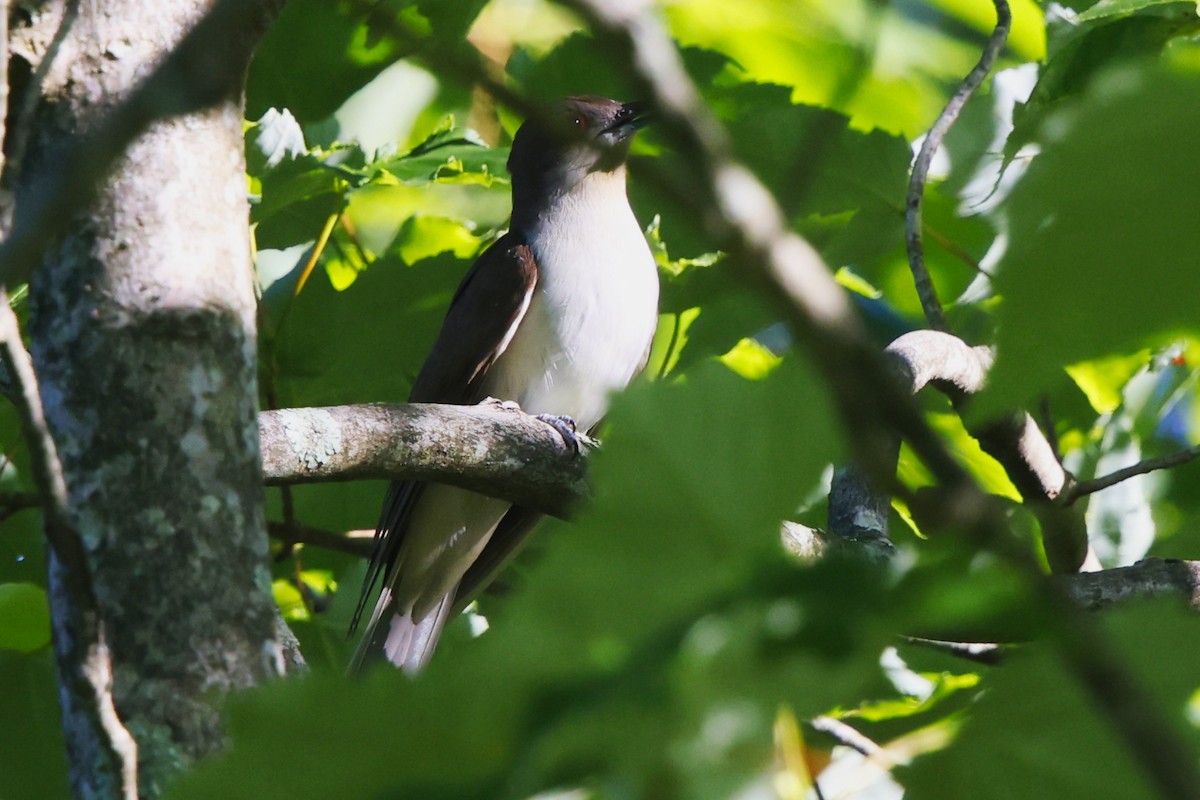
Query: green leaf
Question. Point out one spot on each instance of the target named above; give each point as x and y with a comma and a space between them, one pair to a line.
33, 756
1036, 722
1112, 8
1103, 247
325, 353
1102, 379
278, 136
1082, 52
423, 237
315, 54
24, 617
299, 193
447, 156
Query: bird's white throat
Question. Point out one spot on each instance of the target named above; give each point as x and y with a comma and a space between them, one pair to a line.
594, 309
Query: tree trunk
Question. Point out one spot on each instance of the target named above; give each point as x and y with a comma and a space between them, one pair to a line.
143, 335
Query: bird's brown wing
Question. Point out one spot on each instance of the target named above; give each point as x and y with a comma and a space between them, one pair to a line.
483, 316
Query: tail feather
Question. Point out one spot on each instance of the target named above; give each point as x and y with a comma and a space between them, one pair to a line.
406, 644
409, 645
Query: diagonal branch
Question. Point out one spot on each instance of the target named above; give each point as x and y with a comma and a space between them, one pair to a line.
920, 173
350, 543
1082, 488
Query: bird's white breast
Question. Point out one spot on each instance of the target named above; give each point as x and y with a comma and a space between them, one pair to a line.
594, 309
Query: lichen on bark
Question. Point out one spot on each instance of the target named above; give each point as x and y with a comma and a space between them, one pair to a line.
143, 337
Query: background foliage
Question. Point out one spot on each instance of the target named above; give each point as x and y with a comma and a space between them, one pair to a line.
663, 645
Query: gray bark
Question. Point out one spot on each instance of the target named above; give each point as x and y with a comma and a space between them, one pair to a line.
487, 448
143, 336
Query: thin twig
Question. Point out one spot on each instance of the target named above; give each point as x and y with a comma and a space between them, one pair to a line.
1082, 488
12, 502
979, 652
297, 533
3, 97
920, 173
88, 669
956, 250
846, 735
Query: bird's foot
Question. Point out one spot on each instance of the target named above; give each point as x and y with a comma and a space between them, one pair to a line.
572, 438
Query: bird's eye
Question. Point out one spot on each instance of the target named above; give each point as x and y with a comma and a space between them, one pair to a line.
580, 122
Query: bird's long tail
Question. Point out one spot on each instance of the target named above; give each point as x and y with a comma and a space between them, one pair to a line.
409, 645
406, 644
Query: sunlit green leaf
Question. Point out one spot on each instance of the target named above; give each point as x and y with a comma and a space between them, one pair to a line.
1111, 8
1102, 379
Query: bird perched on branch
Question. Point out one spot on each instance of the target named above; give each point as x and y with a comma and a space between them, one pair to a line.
556, 315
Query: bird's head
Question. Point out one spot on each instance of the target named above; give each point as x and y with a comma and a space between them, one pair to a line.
578, 137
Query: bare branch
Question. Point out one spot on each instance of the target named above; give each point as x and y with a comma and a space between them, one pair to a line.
298, 533
988, 653
920, 173
847, 735
803, 542
942, 360
487, 448
12, 502
1082, 488
946, 362
1150, 577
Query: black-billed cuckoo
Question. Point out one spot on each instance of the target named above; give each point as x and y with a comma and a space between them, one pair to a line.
556, 315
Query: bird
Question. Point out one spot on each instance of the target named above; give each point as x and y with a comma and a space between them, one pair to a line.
556, 315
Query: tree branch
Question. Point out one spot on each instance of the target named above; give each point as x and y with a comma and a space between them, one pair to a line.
298, 533
987, 653
1150, 577
505, 453
958, 371
1082, 488
487, 448
920, 173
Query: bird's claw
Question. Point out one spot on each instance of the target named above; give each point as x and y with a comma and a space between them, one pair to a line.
503, 405
572, 438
